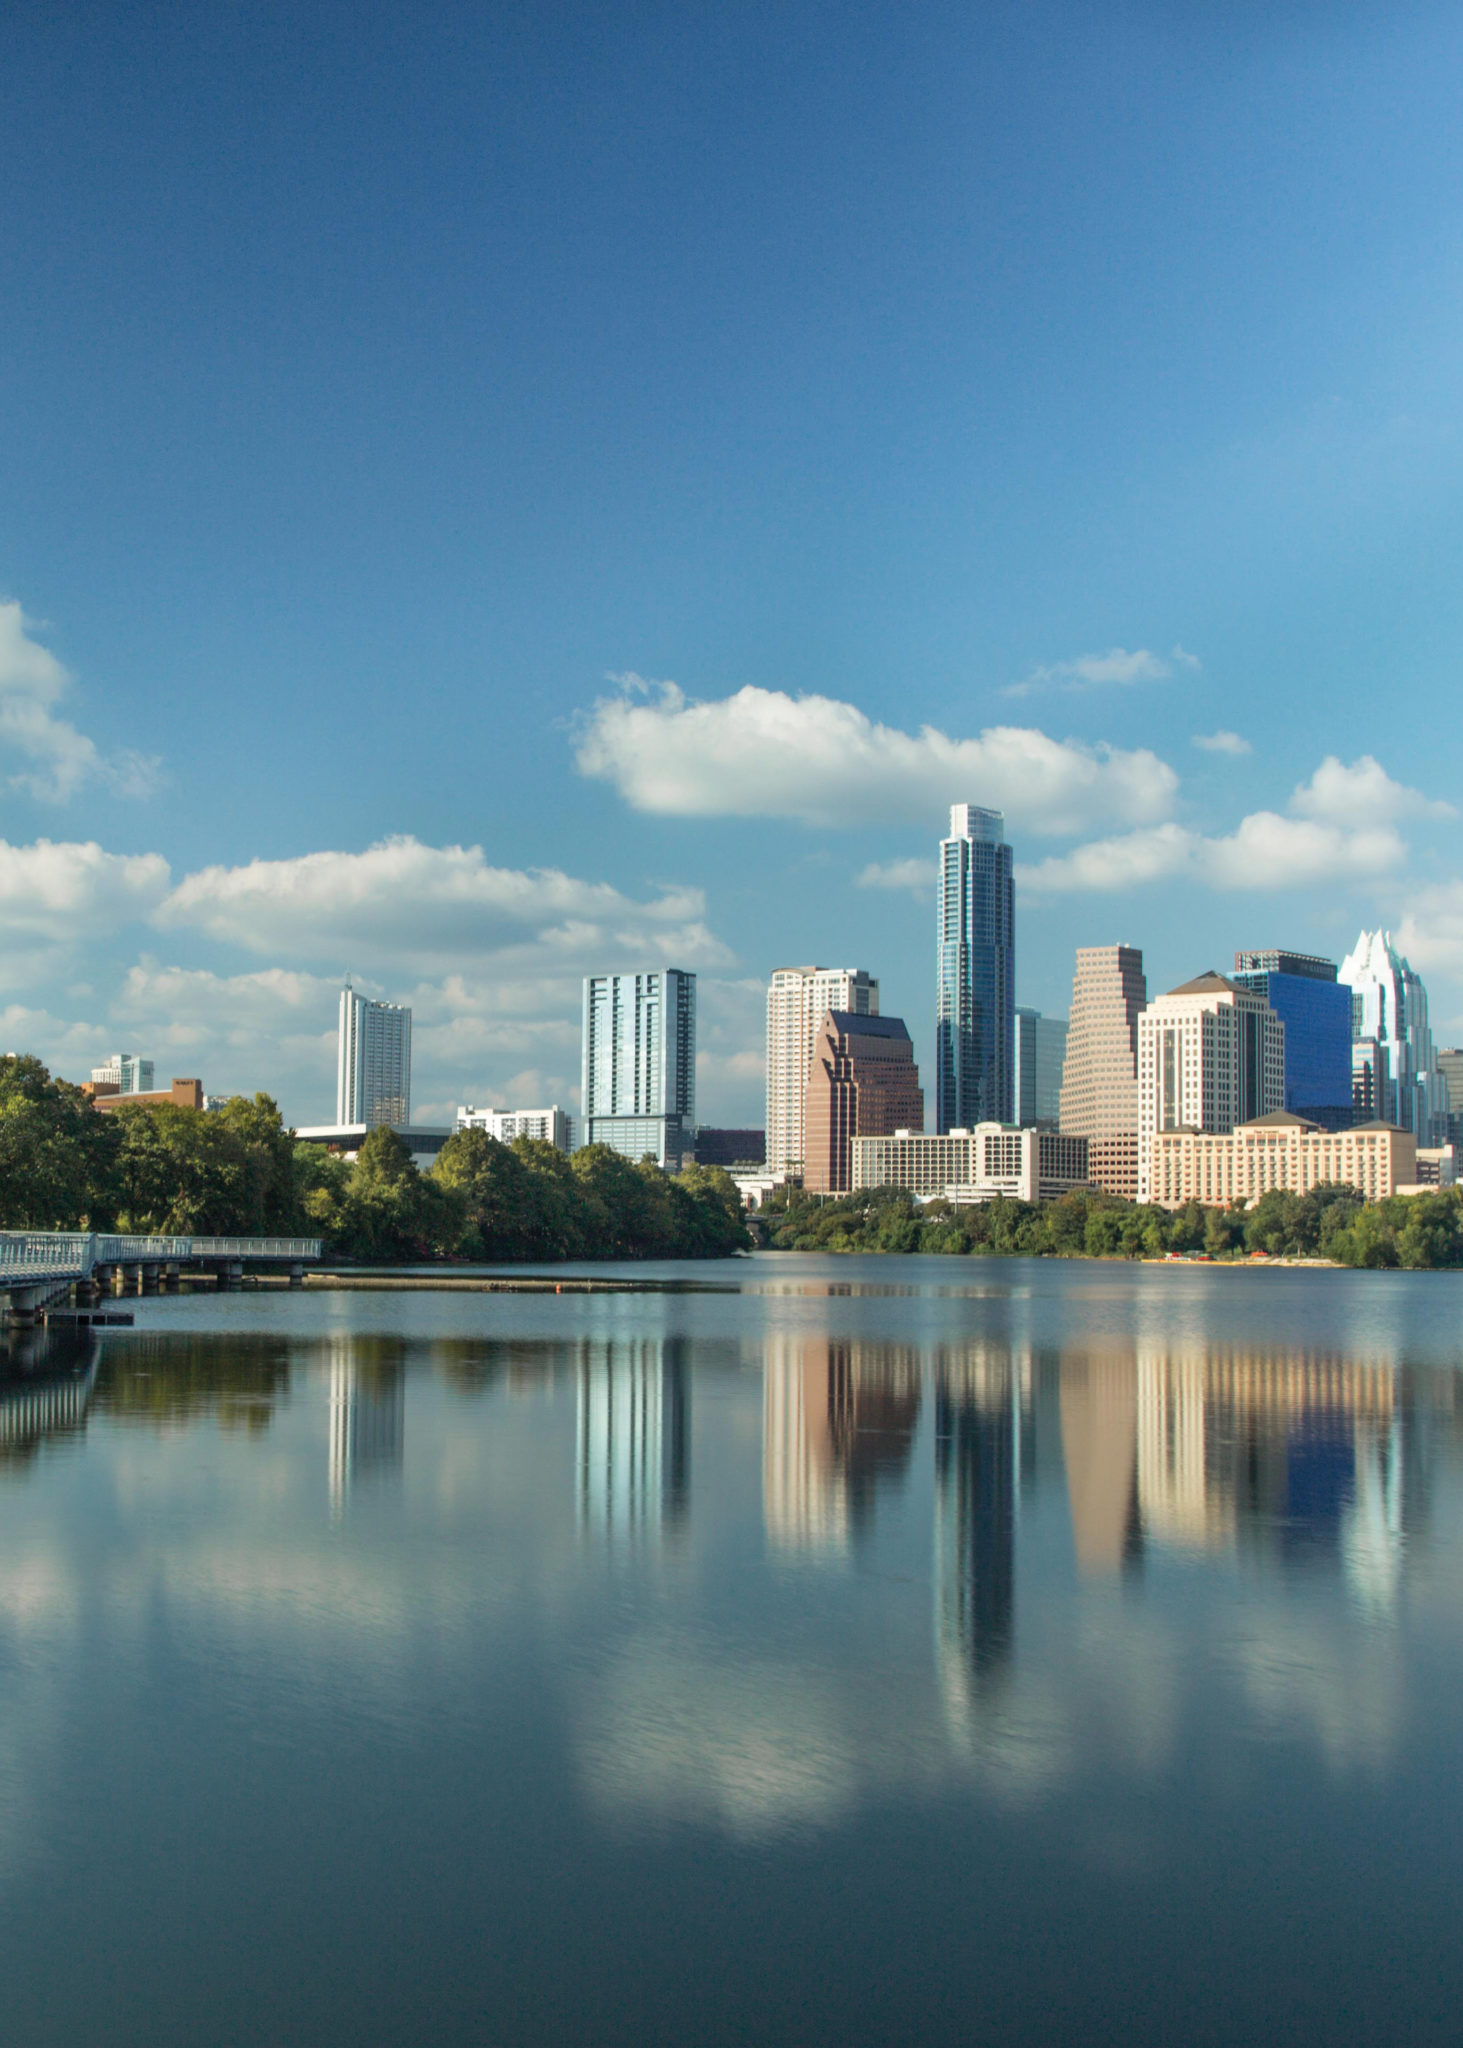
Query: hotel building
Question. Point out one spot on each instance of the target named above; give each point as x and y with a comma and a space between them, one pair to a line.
1210, 1055
1280, 1150
974, 1166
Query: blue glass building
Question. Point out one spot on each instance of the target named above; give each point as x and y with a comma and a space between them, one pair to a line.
975, 1021
1315, 1009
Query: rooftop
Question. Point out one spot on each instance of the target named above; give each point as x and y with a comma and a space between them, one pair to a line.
1210, 983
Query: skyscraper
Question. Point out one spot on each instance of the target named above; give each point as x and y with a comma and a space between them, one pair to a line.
862, 1082
639, 1064
976, 1006
798, 999
1315, 1009
1099, 1099
1390, 1004
373, 1065
1041, 1047
1210, 1055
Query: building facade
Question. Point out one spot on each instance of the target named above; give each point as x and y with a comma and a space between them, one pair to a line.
974, 1166
1210, 1055
723, 1145
1099, 1093
975, 1013
1041, 1048
1315, 1009
1278, 1151
1450, 1066
798, 999
1390, 1005
125, 1074
639, 1064
862, 1082
1371, 1084
552, 1126
373, 1062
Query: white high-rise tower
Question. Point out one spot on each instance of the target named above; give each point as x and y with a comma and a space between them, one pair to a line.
373, 1067
798, 999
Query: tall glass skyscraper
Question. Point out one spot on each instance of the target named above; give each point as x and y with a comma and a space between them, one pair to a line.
639, 1064
975, 1022
1315, 1009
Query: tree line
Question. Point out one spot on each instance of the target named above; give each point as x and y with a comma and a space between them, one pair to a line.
1331, 1222
238, 1171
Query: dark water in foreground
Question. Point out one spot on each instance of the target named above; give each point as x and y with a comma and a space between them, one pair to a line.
896, 1650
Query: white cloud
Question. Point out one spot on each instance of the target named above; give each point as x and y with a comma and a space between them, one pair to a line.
1342, 827
1363, 794
918, 875
1093, 671
1222, 743
764, 754
32, 685
1265, 851
403, 903
53, 893
1431, 933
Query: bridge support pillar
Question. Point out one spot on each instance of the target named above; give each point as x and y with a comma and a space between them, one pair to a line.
168, 1278
147, 1279
297, 1274
236, 1272
86, 1293
23, 1307
119, 1279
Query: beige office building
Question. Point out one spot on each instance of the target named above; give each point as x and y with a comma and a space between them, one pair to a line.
798, 999
1211, 1055
1280, 1150
1099, 1100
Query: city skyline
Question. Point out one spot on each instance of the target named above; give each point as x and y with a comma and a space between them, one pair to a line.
1142, 581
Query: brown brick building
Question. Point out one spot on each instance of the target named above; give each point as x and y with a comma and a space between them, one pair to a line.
182, 1095
862, 1083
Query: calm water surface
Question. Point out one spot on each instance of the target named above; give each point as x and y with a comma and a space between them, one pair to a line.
917, 1649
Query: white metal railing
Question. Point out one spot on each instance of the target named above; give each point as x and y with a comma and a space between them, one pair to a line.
40, 1254
139, 1251
253, 1247
32, 1257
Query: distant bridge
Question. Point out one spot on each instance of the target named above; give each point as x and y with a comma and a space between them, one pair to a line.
38, 1266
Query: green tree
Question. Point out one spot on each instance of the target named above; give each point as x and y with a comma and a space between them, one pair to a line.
57, 1152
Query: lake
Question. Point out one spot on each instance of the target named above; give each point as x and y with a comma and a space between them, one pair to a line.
890, 1649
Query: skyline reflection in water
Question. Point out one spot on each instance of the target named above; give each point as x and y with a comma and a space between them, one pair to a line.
525, 1615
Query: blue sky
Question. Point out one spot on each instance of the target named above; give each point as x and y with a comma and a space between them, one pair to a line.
490, 493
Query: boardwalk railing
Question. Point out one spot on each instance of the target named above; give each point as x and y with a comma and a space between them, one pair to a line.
30, 1258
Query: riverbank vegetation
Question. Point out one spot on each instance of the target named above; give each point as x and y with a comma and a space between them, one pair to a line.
65, 1165
1416, 1231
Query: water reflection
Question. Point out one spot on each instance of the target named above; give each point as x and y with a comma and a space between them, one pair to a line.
367, 1410
838, 1426
978, 1441
47, 1379
633, 1457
